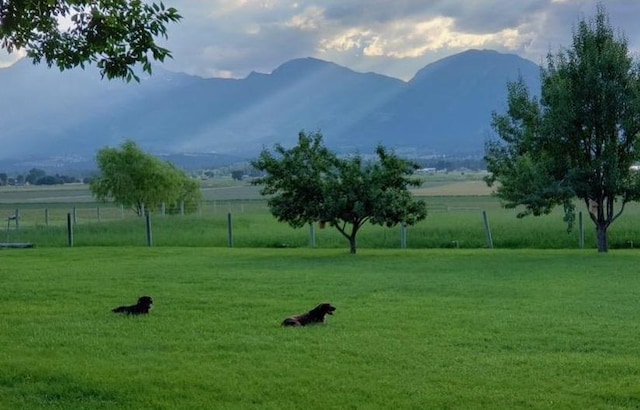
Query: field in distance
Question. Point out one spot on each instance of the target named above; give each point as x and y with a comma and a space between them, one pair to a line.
451, 184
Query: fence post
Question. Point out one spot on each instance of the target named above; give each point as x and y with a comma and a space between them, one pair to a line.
99, 216
17, 215
312, 235
230, 230
69, 230
181, 208
75, 215
580, 230
487, 229
403, 236
149, 233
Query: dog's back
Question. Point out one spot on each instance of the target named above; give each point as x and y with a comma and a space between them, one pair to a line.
315, 315
291, 321
144, 305
121, 309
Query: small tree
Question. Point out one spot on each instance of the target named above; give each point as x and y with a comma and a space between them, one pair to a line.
310, 183
114, 34
580, 139
237, 174
132, 178
34, 175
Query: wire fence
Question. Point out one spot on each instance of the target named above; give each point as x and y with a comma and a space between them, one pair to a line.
452, 222
55, 214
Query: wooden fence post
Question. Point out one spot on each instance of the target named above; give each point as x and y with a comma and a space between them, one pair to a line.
70, 230
149, 233
580, 231
312, 235
487, 229
230, 230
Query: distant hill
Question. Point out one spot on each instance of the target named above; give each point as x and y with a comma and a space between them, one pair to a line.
444, 109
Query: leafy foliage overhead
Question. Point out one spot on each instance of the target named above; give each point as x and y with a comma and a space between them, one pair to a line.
116, 35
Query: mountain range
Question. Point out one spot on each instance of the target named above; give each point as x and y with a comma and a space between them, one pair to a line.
444, 109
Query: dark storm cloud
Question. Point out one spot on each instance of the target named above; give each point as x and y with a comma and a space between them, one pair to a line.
490, 16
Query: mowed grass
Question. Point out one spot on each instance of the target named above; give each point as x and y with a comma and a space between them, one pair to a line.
414, 329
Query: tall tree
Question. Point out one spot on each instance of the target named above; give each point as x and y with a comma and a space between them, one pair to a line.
116, 35
580, 139
133, 178
310, 183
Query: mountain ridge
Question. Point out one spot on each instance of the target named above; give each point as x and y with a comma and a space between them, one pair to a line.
445, 108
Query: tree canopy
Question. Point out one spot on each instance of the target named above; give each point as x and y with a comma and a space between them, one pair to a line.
133, 178
309, 183
116, 35
580, 138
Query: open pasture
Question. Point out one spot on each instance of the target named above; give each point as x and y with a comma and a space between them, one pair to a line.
414, 329
455, 203
452, 222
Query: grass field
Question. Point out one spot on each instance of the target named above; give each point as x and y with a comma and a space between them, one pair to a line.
414, 329
453, 221
455, 202
533, 324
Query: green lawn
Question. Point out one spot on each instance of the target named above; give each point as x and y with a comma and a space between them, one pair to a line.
414, 329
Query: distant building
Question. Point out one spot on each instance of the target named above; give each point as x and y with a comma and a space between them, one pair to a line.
426, 171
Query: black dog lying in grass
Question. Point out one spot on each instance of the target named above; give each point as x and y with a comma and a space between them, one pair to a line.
315, 315
144, 305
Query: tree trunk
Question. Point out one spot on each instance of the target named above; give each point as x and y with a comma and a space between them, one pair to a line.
601, 235
352, 244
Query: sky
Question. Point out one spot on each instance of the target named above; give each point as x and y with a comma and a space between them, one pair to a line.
231, 38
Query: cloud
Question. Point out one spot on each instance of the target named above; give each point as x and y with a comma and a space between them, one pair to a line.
397, 38
7, 59
311, 19
402, 40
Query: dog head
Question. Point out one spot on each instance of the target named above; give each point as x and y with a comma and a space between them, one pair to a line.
145, 301
323, 309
